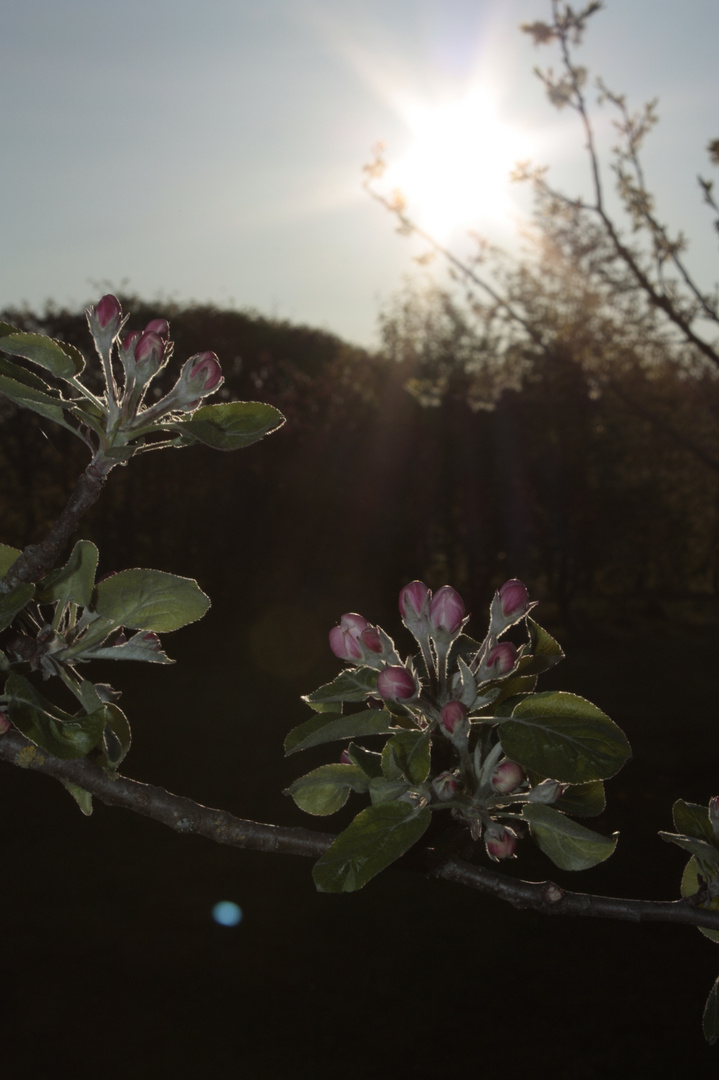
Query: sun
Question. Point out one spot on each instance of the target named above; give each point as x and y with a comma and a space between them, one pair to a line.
456, 173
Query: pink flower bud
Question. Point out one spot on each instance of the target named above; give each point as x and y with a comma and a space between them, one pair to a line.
453, 718
500, 843
396, 684
371, 639
128, 343
445, 786
446, 610
160, 327
344, 639
502, 658
513, 597
506, 777
108, 312
345, 758
414, 601
205, 374
5, 724
149, 349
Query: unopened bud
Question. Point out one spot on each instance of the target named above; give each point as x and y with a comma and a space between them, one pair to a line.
445, 786
371, 639
453, 719
108, 313
501, 659
396, 684
507, 776
5, 724
510, 604
414, 602
500, 842
160, 327
446, 611
344, 639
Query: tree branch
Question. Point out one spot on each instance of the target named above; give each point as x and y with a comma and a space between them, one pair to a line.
187, 816
37, 559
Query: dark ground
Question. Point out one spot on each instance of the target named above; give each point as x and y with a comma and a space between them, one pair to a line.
112, 966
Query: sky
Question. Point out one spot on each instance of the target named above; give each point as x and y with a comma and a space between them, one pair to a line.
212, 151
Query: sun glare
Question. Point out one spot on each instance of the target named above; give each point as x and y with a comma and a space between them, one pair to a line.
456, 173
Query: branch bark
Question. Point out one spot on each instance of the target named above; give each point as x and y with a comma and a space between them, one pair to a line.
187, 816
37, 559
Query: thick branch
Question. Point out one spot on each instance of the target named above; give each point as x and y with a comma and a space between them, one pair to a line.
186, 816
37, 559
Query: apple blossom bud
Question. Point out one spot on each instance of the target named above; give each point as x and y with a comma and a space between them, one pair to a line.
345, 758
547, 792
501, 659
445, 786
507, 776
513, 597
201, 375
510, 604
396, 684
108, 313
499, 842
371, 639
149, 349
446, 611
344, 639
160, 327
453, 719
414, 602
5, 724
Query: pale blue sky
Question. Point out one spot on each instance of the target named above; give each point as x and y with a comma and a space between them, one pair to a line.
212, 150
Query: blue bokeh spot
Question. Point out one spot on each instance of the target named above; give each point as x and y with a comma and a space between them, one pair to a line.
226, 913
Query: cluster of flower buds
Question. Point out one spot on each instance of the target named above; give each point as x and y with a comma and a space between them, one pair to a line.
143, 354
485, 784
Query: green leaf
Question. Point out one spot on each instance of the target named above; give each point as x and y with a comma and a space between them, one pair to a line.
332, 727
369, 762
690, 886
50, 728
544, 651
583, 800
325, 790
82, 798
233, 425
116, 738
517, 685
693, 820
706, 852
407, 754
8, 556
37, 401
710, 1019
138, 647
375, 839
383, 789
56, 356
564, 737
13, 602
353, 684
150, 600
22, 375
568, 844
74, 582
